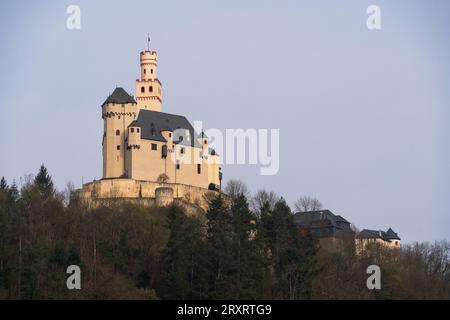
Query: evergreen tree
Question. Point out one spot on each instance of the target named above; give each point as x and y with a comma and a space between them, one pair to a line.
292, 256
248, 255
221, 266
173, 279
13, 192
3, 184
182, 257
44, 183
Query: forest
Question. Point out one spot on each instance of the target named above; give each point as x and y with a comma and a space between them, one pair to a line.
246, 248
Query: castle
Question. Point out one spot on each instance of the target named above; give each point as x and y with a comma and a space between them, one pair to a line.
150, 155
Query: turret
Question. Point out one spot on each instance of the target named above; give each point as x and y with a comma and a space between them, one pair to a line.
148, 88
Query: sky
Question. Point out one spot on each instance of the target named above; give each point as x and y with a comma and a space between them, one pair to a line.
363, 114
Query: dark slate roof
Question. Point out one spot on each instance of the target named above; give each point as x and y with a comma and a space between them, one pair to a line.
378, 234
153, 122
370, 234
390, 234
119, 95
320, 218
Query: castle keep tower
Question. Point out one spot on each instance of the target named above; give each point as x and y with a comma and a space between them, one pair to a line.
118, 111
148, 88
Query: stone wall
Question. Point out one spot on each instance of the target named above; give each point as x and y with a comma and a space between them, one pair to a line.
143, 192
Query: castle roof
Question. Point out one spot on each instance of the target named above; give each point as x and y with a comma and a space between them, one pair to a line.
392, 235
119, 95
323, 224
378, 234
321, 219
152, 123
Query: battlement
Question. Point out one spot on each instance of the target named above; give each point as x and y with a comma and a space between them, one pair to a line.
146, 52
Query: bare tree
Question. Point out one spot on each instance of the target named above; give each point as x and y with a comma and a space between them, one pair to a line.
68, 193
261, 197
163, 178
236, 187
307, 203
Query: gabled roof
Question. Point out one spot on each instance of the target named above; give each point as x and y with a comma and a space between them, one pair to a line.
320, 218
119, 95
153, 122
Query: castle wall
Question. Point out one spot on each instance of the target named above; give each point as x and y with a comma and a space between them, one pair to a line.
145, 163
102, 191
362, 244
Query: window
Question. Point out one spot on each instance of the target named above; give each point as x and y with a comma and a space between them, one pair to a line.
150, 89
137, 129
205, 142
178, 165
199, 168
151, 71
182, 150
117, 132
118, 147
170, 135
154, 146
142, 89
132, 129
145, 71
